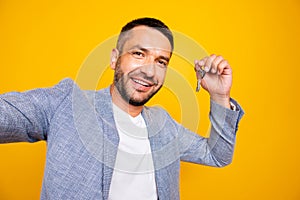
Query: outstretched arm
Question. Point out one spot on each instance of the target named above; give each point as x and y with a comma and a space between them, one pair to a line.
25, 117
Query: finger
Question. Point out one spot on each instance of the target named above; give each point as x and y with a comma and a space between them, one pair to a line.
224, 67
199, 64
199, 70
215, 63
202, 61
208, 62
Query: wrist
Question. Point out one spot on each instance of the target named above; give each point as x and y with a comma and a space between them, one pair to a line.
223, 100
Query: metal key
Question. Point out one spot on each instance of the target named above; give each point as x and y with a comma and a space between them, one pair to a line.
198, 85
201, 73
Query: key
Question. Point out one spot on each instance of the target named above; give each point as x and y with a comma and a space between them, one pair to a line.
198, 85
200, 75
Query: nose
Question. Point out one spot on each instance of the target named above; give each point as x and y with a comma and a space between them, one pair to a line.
148, 67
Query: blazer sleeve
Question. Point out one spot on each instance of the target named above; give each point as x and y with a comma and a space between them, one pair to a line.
25, 116
217, 150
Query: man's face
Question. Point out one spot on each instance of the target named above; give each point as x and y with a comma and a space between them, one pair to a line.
140, 70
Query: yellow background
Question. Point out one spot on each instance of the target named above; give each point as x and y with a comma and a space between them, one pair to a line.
42, 42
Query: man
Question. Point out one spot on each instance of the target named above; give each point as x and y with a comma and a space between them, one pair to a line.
107, 144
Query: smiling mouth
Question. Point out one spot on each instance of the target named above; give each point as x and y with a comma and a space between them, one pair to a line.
143, 83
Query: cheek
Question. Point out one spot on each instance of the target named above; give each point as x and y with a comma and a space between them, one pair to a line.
128, 64
161, 74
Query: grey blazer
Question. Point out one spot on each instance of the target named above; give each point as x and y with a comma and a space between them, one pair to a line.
82, 139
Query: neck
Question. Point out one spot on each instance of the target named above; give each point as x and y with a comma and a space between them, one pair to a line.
118, 100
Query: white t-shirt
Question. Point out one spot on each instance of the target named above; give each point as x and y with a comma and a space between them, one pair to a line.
133, 177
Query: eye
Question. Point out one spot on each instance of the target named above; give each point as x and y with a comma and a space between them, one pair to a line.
162, 63
138, 54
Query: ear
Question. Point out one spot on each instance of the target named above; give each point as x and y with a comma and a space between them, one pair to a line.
113, 58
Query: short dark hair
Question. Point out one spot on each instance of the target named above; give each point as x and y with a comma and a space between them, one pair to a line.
146, 21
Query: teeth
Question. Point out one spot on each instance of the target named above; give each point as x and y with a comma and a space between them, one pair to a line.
141, 82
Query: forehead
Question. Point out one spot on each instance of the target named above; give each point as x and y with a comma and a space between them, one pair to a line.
147, 37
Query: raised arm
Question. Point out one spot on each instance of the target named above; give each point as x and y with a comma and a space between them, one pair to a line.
217, 150
225, 114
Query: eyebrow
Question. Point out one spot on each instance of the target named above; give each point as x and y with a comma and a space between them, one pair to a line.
147, 50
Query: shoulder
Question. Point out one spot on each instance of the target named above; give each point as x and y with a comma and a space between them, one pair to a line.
155, 111
68, 85
65, 84
158, 115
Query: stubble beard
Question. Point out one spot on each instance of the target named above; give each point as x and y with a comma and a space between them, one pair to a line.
120, 80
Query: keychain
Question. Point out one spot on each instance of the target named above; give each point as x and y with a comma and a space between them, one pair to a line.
200, 75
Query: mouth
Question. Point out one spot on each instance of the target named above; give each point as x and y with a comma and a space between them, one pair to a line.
143, 82
142, 85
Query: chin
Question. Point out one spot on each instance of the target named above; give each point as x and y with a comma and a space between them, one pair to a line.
141, 101
138, 101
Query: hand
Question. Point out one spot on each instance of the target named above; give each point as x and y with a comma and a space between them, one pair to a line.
218, 79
